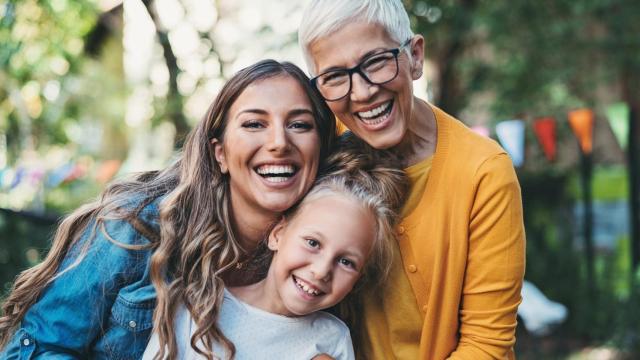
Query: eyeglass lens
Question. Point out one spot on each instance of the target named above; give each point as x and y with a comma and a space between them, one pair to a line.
377, 69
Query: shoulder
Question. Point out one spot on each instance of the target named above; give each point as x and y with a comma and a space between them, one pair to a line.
330, 324
464, 141
333, 335
134, 222
113, 240
464, 151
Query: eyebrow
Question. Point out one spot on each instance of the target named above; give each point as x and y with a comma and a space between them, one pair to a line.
317, 234
366, 55
252, 111
298, 111
356, 255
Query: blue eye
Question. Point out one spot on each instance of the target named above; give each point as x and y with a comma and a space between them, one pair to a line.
347, 262
313, 243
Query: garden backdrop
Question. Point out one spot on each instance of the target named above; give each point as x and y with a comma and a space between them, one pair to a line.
95, 90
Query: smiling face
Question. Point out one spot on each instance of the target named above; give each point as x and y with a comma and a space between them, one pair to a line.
379, 114
270, 148
319, 255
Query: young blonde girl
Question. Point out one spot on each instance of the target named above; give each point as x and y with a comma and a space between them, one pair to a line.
336, 237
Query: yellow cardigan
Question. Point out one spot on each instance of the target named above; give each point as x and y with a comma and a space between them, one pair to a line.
463, 248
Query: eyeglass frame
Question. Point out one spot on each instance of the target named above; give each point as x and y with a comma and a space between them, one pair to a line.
358, 69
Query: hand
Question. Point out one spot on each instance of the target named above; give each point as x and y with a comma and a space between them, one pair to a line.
322, 357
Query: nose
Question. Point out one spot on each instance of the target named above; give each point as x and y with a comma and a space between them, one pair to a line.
361, 89
278, 140
321, 269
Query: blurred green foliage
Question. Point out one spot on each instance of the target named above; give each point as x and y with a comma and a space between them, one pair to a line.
58, 97
42, 44
25, 241
533, 57
51, 91
609, 183
520, 58
527, 59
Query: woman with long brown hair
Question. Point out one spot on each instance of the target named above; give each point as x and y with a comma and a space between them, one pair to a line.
121, 265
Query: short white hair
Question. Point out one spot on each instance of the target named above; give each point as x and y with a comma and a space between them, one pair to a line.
324, 17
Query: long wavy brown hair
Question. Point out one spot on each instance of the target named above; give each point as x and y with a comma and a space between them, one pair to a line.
196, 241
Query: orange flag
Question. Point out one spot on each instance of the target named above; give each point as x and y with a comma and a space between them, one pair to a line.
581, 121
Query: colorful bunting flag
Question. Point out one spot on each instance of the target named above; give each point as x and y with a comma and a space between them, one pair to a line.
58, 175
511, 136
17, 177
581, 121
107, 170
545, 130
618, 115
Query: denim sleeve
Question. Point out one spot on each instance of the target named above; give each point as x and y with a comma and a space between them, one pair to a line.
73, 311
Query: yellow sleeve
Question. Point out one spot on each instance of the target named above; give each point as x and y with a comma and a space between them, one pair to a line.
495, 265
340, 127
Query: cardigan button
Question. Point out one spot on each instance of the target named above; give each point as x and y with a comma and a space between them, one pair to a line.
412, 268
424, 308
401, 230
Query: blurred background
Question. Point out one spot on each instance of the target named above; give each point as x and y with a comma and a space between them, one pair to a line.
94, 90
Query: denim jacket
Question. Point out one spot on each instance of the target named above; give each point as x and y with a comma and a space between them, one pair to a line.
100, 309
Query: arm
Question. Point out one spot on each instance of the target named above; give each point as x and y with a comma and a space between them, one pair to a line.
73, 311
495, 264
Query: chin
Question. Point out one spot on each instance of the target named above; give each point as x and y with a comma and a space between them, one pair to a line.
281, 205
384, 142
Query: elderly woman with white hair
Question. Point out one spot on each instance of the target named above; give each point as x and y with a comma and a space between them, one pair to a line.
455, 285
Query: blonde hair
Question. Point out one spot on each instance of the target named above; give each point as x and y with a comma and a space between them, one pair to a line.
196, 241
373, 179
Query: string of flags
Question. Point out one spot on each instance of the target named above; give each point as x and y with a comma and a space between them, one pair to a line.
511, 133
34, 174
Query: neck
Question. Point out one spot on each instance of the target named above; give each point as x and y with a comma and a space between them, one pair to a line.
250, 225
262, 295
419, 141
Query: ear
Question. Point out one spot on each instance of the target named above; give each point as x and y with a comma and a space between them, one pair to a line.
417, 56
218, 152
276, 234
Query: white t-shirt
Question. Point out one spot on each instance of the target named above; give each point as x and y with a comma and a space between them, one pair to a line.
258, 334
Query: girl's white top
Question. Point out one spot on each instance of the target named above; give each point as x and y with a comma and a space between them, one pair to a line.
258, 334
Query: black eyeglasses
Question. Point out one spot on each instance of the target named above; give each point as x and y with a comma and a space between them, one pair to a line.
376, 69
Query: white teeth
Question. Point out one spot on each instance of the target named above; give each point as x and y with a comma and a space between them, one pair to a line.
309, 290
275, 169
365, 115
276, 173
276, 179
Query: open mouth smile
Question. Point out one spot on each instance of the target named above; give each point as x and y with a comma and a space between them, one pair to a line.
377, 115
276, 173
306, 287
